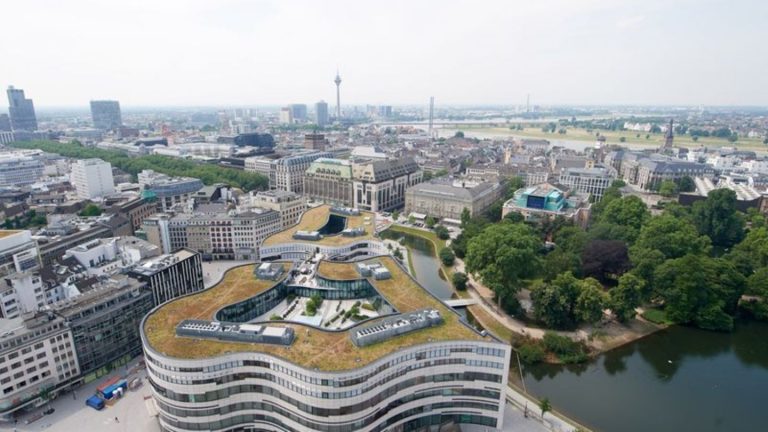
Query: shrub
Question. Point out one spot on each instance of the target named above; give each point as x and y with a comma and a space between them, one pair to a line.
442, 232
531, 352
460, 281
567, 350
446, 256
368, 306
275, 317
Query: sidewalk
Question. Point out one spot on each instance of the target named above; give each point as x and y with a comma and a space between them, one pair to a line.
486, 302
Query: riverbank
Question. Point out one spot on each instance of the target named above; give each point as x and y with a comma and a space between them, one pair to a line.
597, 338
437, 244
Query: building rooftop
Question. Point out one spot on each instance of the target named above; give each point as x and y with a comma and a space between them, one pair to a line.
316, 218
312, 347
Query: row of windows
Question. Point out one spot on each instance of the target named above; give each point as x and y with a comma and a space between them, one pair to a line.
341, 382
435, 419
226, 392
330, 412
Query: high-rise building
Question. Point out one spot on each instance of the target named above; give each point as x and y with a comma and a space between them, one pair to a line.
21, 110
299, 112
106, 114
286, 115
321, 113
5, 123
92, 178
337, 81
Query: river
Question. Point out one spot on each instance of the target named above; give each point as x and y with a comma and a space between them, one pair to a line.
424, 263
680, 379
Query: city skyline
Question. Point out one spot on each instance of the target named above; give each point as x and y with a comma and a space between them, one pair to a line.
191, 53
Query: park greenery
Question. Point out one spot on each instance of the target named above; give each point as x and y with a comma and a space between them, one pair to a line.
704, 265
209, 174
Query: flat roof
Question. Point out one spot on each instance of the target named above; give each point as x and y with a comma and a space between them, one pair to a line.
7, 233
315, 218
312, 348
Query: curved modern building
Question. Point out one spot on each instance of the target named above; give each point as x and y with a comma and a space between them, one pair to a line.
409, 362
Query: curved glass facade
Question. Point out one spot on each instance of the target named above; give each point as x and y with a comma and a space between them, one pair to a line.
262, 303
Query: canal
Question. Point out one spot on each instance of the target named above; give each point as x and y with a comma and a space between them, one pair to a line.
680, 379
425, 262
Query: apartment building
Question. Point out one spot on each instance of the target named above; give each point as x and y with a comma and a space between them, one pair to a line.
290, 205
92, 178
36, 352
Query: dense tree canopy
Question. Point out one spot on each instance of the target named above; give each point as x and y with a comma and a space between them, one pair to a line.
502, 255
672, 236
716, 217
605, 259
626, 296
699, 290
207, 173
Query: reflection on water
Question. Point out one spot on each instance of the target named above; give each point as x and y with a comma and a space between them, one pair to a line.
424, 263
677, 380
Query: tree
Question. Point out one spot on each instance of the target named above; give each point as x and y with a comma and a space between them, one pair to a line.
513, 185
446, 256
756, 302
695, 138
91, 210
687, 184
590, 302
630, 211
716, 217
668, 188
442, 232
754, 248
411, 220
622, 139
571, 239
700, 290
503, 254
673, 237
458, 134
460, 280
395, 215
495, 210
430, 222
605, 259
545, 406
553, 303
560, 261
626, 296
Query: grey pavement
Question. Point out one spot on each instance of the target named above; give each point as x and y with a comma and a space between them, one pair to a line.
72, 414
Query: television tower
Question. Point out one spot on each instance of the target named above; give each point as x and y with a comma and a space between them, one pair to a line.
338, 95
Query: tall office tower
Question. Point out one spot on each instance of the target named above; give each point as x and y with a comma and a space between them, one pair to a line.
299, 112
286, 115
5, 122
106, 114
92, 178
21, 110
338, 95
321, 113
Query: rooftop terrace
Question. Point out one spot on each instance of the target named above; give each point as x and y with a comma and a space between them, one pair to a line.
312, 347
316, 218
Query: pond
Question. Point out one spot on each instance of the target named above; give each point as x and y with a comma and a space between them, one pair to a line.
425, 262
679, 379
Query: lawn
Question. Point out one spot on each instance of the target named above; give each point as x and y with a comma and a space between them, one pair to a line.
312, 348
656, 316
314, 219
613, 137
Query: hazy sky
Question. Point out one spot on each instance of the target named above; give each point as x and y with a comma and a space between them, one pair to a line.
248, 52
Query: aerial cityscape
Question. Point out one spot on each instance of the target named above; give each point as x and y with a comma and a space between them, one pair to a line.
347, 216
